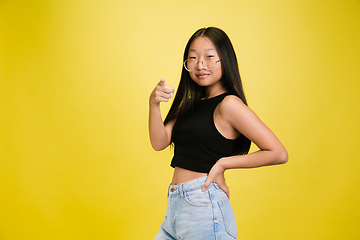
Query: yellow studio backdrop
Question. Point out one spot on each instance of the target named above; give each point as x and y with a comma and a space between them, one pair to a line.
75, 77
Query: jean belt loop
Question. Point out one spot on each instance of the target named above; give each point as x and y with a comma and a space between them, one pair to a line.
181, 190
168, 191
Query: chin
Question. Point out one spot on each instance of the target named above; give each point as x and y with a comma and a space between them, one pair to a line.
202, 83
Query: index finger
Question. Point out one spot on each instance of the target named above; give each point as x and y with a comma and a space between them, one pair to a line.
162, 82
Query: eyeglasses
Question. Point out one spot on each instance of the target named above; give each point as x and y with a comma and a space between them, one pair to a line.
208, 64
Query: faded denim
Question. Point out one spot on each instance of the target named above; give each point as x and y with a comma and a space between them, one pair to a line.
195, 215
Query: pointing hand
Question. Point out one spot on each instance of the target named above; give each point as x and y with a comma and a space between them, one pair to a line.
162, 92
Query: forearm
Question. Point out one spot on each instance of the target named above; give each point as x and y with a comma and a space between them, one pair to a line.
158, 136
256, 159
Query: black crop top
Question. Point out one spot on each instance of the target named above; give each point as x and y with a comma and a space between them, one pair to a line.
198, 143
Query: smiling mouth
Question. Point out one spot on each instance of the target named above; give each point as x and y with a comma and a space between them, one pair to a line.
202, 75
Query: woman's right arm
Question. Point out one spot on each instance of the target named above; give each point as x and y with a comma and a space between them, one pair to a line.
160, 134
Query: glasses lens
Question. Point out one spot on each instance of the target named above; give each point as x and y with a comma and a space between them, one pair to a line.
190, 64
209, 63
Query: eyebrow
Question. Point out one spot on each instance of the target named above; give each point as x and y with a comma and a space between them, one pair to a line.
193, 50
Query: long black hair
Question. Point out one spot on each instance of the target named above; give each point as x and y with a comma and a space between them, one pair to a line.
189, 92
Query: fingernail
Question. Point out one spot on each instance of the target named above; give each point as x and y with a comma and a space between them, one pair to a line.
171, 95
203, 189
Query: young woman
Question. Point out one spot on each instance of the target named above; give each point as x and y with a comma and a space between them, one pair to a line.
211, 128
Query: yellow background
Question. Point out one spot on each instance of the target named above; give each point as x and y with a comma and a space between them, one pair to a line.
75, 76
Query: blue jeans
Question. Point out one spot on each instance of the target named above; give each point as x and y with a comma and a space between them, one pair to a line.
195, 215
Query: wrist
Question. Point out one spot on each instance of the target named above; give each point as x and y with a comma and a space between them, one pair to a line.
153, 104
222, 164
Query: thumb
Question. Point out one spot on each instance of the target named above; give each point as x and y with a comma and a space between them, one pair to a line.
162, 82
206, 185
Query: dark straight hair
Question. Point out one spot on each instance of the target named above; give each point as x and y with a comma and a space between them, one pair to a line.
189, 92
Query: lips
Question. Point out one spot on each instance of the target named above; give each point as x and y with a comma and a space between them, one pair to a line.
202, 75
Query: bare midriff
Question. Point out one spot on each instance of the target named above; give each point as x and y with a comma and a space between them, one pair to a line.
182, 175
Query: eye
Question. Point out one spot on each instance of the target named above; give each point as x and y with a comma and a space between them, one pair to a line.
192, 57
210, 56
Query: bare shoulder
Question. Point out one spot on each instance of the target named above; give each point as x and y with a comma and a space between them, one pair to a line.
235, 112
232, 103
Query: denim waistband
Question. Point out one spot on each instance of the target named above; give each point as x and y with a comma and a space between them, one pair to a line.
190, 185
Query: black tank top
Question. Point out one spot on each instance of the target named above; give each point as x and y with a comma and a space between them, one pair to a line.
198, 143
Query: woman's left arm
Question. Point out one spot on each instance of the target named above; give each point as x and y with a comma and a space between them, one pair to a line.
245, 121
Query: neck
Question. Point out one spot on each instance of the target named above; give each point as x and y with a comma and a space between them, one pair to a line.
212, 91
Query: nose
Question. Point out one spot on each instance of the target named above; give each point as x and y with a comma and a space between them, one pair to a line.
202, 65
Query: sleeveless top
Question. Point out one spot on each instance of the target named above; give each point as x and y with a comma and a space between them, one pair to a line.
198, 143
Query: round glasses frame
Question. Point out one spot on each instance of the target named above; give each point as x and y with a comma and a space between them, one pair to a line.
197, 64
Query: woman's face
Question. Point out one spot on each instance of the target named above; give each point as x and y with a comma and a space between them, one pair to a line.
200, 49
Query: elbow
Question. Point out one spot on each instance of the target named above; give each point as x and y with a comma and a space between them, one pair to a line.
282, 157
158, 146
